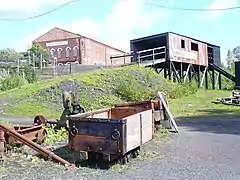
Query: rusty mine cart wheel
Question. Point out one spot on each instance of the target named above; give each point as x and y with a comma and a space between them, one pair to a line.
39, 120
130, 155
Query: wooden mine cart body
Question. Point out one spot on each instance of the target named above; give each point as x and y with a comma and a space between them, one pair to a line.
113, 132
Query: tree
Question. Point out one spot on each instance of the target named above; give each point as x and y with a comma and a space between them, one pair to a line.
230, 60
236, 53
9, 54
36, 52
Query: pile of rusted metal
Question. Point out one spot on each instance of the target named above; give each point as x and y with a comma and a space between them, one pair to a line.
32, 136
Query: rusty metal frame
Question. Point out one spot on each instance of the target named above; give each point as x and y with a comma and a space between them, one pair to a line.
24, 140
75, 137
32, 132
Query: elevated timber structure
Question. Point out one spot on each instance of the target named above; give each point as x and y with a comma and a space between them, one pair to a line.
180, 58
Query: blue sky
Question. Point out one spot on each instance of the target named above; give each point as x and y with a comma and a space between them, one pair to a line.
115, 22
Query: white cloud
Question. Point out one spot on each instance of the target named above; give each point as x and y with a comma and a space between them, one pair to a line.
90, 29
126, 18
221, 4
217, 4
119, 26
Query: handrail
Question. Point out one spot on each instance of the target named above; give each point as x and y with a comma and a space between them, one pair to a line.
140, 54
147, 50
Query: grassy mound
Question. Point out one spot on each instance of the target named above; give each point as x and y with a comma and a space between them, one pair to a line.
97, 89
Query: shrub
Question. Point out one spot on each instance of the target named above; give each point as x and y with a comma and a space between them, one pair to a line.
11, 82
55, 136
30, 74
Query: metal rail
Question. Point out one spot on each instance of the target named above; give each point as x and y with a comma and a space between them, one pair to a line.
143, 55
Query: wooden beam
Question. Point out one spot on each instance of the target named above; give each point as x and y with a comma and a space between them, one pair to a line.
168, 112
203, 77
175, 72
216, 81
185, 78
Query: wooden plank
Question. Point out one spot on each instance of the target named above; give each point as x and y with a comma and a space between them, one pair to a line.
136, 103
135, 131
122, 112
168, 112
147, 124
188, 68
203, 77
90, 113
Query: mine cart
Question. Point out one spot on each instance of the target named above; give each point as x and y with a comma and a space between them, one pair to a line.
114, 133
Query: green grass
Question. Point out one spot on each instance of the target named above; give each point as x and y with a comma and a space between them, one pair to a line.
106, 87
199, 104
97, 89
30, 108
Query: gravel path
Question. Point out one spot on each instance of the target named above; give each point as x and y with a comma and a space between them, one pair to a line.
204, 149
18, 120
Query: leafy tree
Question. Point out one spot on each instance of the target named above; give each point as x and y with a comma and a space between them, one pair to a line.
236, 53
36, 51
230, 60
9, 54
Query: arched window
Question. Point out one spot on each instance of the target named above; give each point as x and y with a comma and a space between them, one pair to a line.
52, 51
75, 51
60, 64
68, 52
59, 53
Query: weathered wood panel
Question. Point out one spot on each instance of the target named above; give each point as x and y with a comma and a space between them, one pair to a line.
147, 124
187, 54
133, 132
139, 129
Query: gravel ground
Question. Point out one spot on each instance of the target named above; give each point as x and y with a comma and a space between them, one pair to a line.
204, 149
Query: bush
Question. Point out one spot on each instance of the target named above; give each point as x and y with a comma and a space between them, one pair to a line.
12, 82
15, 80
131, 91
142, 84
30, 74
55, 136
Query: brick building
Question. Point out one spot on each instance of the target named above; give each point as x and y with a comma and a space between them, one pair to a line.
71, 47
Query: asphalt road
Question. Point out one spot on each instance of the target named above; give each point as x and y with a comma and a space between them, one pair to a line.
207, 148
18, 120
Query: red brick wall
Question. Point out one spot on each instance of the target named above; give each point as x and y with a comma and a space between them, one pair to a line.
74, 42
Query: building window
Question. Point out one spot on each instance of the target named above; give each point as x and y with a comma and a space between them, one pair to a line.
52, 51
59, 53
68, 52
194, 46
75, 51
183, 43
